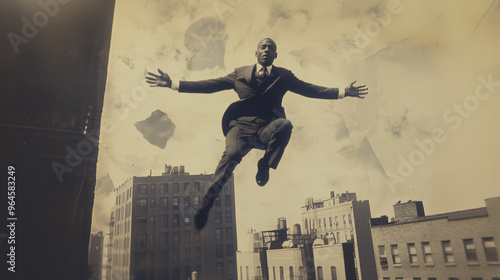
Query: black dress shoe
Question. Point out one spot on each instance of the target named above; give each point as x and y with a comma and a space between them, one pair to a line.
262, 173
201, 218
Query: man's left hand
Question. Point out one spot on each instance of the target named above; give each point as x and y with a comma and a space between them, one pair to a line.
356, 91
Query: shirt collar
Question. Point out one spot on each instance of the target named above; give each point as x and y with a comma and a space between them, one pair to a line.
269, 68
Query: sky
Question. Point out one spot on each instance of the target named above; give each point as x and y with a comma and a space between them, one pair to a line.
428, 129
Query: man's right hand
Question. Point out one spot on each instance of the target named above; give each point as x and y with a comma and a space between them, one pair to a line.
162, 80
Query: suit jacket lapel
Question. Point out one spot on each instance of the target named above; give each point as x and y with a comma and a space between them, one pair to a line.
274, 77
248, 74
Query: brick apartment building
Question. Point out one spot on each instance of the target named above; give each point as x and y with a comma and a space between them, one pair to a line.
461, 245
341, 219
153, 235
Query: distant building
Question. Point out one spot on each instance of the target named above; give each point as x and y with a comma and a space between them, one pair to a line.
341, 219
153, 232
455, 245
336, 244
95, 255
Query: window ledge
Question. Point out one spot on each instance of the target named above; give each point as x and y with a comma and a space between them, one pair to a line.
493, 263
397, 266
473, 264
450, 264
414, 265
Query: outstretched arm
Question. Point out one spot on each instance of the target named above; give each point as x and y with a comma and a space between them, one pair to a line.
315, 91
206, 86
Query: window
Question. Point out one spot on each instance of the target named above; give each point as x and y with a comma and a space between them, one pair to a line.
164, 221
218, 217
330, 221
151, 240
227, 200
447, 252
186, 221
186, 187
426, 249
490, 249
229, 233
187, 255
219, 268
142, 188
197, 188
177, 273
175, 188
319, 223
229, 217
470, 250
187, 236
197, 236
152, 220
163, 203
175, 203
142, 221
412, 253
320, 273
382, 257
302, 273
229, 250
197, 253
176, 237
163, 239
395, 254
163, 188
187, 202
217, 202
290, 271
218, 251
152, 203
196, 200
334, 272
218, 234
176, 220
142, 203
344, 220
230, 268
152, 188
349, 218
324, 222
282, 273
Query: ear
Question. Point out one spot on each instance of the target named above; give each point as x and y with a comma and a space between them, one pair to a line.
255, 53
276, 55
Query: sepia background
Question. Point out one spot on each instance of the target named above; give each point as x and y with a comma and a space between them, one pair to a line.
428, 129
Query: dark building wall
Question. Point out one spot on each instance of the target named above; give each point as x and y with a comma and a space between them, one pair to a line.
95, 255
164, 245
52, 88
362, 214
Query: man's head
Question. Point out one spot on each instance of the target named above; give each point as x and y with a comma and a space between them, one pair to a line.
266, 52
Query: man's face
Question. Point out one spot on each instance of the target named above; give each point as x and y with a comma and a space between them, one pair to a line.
266, 52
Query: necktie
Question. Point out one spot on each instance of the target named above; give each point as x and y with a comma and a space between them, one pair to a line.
263, 73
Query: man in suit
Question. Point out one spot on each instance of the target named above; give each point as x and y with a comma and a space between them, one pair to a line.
257, 120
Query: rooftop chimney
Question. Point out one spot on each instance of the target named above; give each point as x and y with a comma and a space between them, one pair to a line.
408, 211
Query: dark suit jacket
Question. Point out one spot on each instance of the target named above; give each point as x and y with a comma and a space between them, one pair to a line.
262, 100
